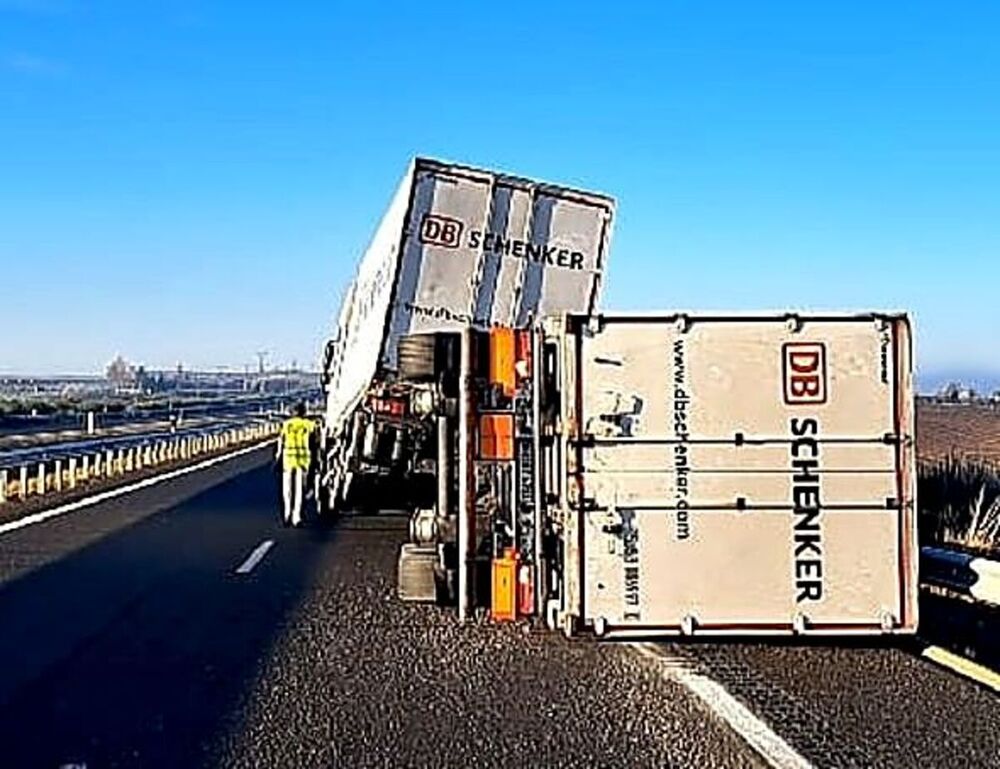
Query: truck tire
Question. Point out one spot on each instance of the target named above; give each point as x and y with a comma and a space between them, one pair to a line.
415, 357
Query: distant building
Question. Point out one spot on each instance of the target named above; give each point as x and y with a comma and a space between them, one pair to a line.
119, 373
956, 392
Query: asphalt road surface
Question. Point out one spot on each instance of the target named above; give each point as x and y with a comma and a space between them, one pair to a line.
130, 639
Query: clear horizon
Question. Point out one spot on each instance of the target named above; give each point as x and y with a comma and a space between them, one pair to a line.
195, 182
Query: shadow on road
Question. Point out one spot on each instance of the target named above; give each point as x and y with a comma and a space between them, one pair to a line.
139, 649
966, 628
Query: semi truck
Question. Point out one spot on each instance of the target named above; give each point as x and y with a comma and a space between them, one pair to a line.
677, 474
458, 247
672, 473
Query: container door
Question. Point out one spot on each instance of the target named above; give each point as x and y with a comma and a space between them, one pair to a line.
438, 273
746, 475
487, 250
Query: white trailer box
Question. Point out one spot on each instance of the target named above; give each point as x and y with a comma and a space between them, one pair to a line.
464, 247
737, 474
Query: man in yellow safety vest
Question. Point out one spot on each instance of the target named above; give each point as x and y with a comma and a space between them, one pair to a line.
295, 454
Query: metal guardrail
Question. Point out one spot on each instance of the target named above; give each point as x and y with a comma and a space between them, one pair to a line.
11, 458
67, 472
978, 578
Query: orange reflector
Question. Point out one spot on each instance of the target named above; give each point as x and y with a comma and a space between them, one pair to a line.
496, 436
503, 595
502, 359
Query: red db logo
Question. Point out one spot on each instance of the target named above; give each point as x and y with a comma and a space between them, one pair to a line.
441, 231
804, 365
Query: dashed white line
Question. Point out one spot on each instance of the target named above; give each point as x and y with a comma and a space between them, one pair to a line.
772, 748
255, 557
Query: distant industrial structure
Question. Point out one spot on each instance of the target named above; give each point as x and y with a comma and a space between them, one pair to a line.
125, 380
957, 392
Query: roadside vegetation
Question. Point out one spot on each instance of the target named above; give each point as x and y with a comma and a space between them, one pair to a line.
959, 503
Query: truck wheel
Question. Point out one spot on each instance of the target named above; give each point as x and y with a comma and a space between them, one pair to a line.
415, 357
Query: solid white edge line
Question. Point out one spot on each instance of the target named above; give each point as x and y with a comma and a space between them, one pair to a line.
255, 557
758, 735
44, 515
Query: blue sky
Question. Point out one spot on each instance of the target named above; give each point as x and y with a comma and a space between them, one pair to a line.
194, 181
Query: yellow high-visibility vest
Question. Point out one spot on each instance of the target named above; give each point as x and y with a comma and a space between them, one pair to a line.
295, 443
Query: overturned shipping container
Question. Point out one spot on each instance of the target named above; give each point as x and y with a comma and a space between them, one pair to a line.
685, 474
458, 247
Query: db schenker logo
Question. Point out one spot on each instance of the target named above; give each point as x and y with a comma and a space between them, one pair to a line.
441, 231
804, 372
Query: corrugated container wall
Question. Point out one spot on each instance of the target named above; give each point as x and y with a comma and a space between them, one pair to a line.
466, 247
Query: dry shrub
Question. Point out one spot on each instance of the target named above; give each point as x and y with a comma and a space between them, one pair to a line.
959, 503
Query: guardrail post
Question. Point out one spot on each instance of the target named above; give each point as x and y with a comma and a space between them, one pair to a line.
85, 471
97, 465
72, 472
109, 463
40, 488
130, 460
147, 456
120, 462
58, 480
22, 486
3, 486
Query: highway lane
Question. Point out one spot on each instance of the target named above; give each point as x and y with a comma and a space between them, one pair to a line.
133, 641
136, 643
131, 635
848, 705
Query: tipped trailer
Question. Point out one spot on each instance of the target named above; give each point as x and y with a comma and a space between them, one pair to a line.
677, 474
459, 247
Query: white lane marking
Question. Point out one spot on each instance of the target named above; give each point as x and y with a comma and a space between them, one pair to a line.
772, 748
29, 520
965, 667
255, 557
